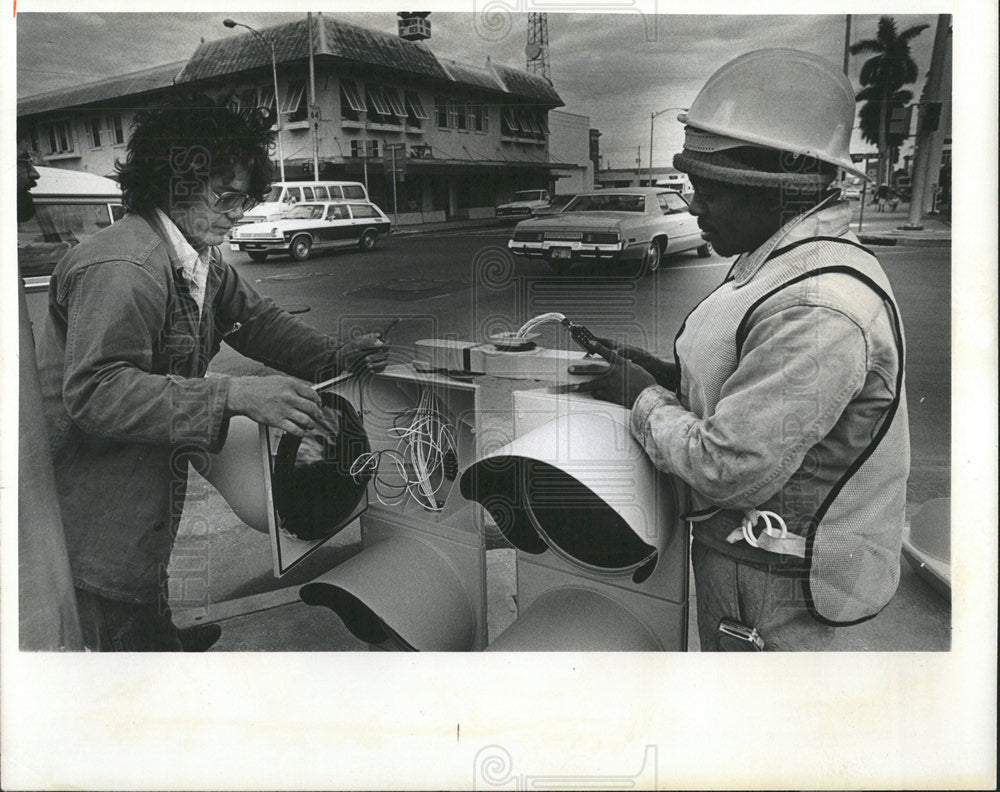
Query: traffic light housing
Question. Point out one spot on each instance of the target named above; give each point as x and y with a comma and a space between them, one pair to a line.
900, 118
419, 582
602, 554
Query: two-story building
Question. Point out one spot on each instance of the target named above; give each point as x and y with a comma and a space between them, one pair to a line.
459, 138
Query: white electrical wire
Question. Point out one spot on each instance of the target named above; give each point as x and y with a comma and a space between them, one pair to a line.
750, 520
536, 321
419, 458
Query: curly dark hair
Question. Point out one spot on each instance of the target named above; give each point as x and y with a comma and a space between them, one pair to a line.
183, 142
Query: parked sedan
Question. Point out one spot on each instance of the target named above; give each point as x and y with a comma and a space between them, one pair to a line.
555, 205
638, 225
313, 226
525, 202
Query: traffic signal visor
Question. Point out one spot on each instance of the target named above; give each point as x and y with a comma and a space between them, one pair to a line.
581, 486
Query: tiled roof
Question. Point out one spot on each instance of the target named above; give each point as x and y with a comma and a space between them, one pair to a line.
332, 38
524, 84
244, 51
362, 45
471, 75
102, 90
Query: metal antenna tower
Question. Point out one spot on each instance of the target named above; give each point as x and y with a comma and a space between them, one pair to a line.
537, 50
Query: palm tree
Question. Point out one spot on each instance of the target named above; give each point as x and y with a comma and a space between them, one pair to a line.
882, 77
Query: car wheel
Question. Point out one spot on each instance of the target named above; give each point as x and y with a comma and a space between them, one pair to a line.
300, 248
651, 259
368, 240
705, 250
257, 255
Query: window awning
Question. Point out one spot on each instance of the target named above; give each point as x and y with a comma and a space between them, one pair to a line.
349, 91
376, 99
393, 99
415, 106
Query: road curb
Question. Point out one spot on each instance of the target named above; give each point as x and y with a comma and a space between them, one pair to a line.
417, 230
903, 241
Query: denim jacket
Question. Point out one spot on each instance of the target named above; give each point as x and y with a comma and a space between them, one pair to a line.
122, 361
787, 378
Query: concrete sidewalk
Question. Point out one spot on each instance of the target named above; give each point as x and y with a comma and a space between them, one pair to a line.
453, 225
874, 228
889, 228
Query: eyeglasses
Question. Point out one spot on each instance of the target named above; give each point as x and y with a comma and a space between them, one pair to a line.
230, 201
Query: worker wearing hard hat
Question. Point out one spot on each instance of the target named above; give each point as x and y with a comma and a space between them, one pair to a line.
784, 410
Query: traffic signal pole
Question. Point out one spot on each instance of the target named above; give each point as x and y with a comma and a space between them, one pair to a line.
923, 183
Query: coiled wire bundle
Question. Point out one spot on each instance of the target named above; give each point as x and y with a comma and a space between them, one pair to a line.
424, 458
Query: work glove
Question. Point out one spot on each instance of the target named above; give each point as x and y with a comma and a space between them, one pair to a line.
622, 384
666, 373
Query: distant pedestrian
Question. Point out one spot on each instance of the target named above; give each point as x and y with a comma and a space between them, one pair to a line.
893, 200
881, 197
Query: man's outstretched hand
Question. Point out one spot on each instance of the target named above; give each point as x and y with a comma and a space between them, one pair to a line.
279, 401
369, 352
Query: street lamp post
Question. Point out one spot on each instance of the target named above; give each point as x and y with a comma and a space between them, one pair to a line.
652, 118
229, 23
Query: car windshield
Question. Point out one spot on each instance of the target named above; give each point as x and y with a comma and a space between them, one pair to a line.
273, 196
560, 200
529, 195
306, 212
614, 202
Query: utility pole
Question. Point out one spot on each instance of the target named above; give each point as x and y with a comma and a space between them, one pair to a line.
313, 107
847, 45
923, 183
395, 206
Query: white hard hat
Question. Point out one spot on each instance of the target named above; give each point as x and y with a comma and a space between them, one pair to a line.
782, 99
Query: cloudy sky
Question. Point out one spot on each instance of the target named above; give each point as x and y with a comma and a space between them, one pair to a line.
615, 68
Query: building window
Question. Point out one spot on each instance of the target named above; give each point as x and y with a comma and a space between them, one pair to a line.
116, 128
294, 103
415, 112
441, 111
395, 105
364, 148
479, 118
350, 101
526, 121
508, 122
456, 111
543, 122
94, 131
378, 108
377, 100
60, 137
